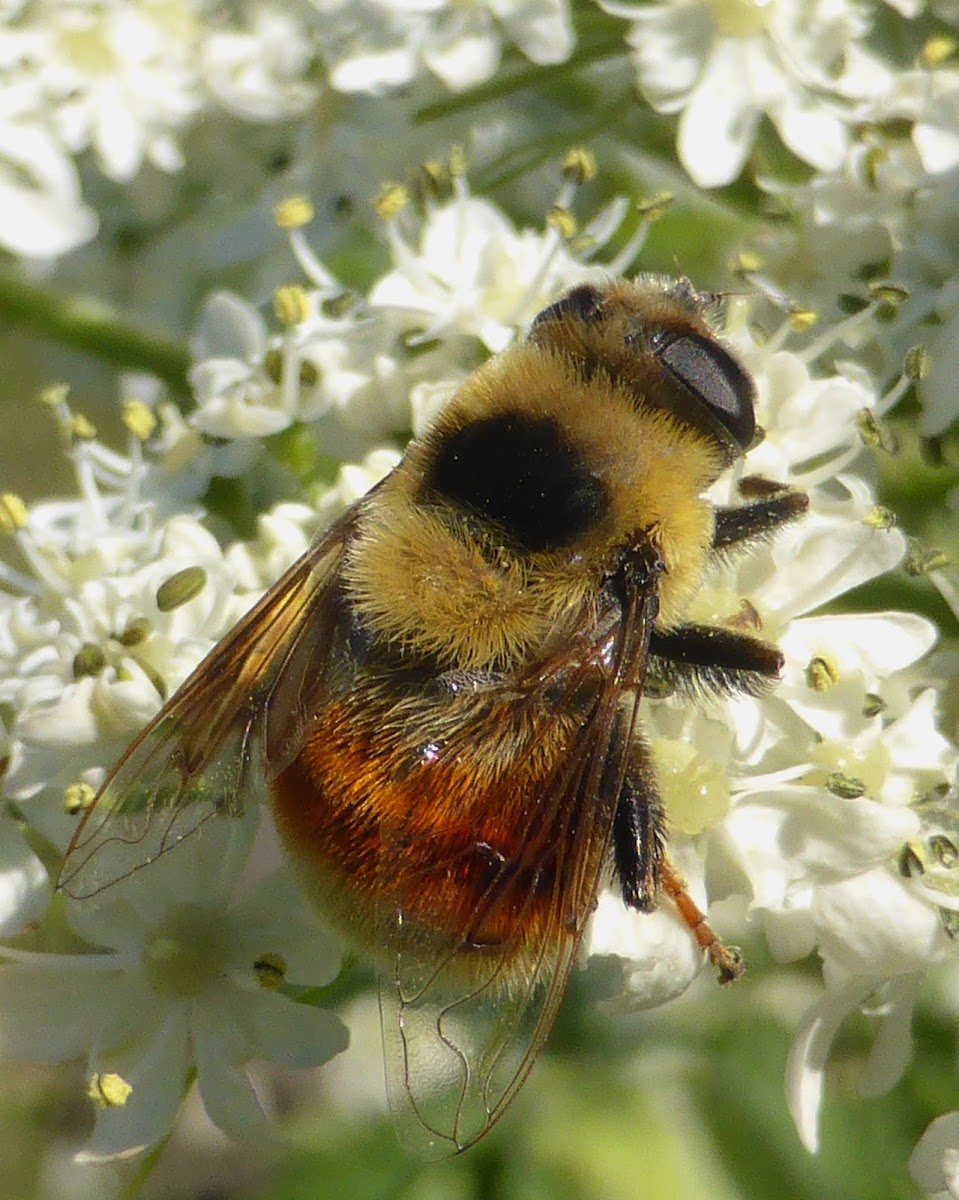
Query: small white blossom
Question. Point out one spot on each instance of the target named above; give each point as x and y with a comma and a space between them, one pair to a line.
877, 942
723, 65
472, 272
260, 73
935, 1161
119, 79
887, 214
250, 383
375, 45
126, 81
113, 610
43, 212
177, 983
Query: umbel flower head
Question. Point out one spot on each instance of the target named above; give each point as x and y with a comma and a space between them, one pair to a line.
820, 805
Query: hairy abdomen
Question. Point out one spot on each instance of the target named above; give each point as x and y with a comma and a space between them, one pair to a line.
436, 814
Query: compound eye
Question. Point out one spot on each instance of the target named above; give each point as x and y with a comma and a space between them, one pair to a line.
581, 303
709, 373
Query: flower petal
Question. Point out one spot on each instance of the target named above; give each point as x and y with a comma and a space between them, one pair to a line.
157, 1068
935, 1161
810, 1049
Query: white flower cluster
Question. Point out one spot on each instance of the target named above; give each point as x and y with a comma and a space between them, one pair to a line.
376, 45
469, 277
825, 805
724, 64
126, 80
880, 208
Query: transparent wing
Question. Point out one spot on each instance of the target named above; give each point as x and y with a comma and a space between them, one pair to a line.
236, 721
461, 1029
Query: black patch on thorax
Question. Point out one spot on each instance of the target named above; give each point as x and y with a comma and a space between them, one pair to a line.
518, 472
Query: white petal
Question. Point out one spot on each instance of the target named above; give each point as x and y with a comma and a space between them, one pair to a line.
374, 72
810, 1049
935, 1160
892, 1048
914, 742
813, 133
541, 28
717, 125
24, 884
49, 1014
936, 133
654, 955
43, 213
670, 45
228, 327
790, 931
228, 1095
158, 1071
67, 721
465, 62
256, 1023
873, 924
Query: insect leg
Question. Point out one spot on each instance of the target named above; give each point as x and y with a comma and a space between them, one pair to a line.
727, 960
706, 658
644, 869
639, 836
773, 506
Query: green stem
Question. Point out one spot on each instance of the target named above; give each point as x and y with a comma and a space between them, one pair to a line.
143, 1170
508, 84
92, 326
144, 1167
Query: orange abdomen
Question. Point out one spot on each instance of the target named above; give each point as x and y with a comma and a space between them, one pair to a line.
450, 833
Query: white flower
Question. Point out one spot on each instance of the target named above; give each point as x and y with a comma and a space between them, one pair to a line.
250, 383
259, 74
43, 213
935, 1161
120, 80
186, 977
114, 608
474, 273
877, 942
375, 44
886, 214
24, 886
723, 65
124, 80
235, 395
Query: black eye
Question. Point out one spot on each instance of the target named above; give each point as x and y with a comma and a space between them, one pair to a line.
716, 380
581, 303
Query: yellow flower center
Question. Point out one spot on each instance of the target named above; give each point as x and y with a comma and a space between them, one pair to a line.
694, 790
190, 950
740, 18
